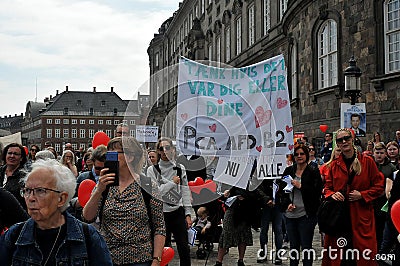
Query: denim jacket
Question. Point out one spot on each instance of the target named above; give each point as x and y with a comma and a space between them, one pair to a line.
72, 250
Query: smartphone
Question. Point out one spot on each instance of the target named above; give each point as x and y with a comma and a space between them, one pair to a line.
113, 165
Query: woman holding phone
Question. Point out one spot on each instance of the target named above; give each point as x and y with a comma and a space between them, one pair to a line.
134, 234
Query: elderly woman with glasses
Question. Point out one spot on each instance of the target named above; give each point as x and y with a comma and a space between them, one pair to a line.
301, 203
12, 173
131, 220
51, 236
354, 178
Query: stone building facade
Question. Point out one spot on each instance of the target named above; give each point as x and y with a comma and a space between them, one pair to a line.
317, 39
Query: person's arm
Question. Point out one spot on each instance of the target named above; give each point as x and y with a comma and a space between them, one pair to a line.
91, 208
377, 181
186, 198
166, 185
388, 188
158, 224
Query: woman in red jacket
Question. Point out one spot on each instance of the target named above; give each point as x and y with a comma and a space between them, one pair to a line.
367, 184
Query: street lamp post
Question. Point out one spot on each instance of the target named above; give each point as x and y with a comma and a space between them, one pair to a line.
352, 81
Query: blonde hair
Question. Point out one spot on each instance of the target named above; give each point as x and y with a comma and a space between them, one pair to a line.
328, 163
356, 164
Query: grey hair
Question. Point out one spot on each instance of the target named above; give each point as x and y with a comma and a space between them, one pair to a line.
45, 154
65, 179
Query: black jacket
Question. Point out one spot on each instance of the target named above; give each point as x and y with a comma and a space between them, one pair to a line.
311, 188
14, 183
11, 211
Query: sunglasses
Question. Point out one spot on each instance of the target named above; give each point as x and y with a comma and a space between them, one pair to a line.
341, 140
34, 150
98, 168
311, 149
164, 148
299, 154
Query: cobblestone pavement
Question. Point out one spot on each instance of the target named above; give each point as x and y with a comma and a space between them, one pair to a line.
250, 258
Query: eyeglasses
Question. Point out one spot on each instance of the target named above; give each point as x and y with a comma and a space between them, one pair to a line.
13, 153
311, 149
98, 168
39, 192
299, 154
164, 148
341, 140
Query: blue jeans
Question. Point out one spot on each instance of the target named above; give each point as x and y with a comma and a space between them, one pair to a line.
301, 233
271, 214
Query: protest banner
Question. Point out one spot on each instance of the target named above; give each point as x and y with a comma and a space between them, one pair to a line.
146, 133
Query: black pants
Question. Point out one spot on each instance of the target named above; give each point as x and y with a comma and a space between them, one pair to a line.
175, 223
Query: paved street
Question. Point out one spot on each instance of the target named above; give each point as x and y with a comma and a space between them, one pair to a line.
250, 259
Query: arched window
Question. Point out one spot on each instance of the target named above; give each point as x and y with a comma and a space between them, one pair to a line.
327, 55
293, 65
392, 35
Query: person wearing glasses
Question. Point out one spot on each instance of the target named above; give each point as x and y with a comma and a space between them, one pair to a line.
31, 157
318, 162
133, 229
355, 178
301, 204
326, 150
51, 236
122, 130
173, 185
13, 171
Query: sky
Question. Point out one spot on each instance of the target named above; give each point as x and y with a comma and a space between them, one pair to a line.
46, 45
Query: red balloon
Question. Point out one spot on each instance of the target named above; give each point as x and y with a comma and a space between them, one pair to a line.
167, 255
191, 183
26, 150
100, 138
85, 190
323, 128
395, 214
198, 181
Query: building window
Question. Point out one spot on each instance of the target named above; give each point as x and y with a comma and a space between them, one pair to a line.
239, 35
65, 121
57, 146
132, 122
91, 122
57, 133
293, 64
108, 122
82, 133
392, 35
267, 16
74, 121
103, 103
196, 11
190, 20
82, 121
228, 44
116, 122
156, 60
210, 52
108, 132
100, 121
91, 133
57, 121
74, 133
252, 29
327, 54
282, 7
132, 132
66, 111
203, 6
66, 133
49, 121
82, 145
49, 133
91, 111
115, 111
74, 146
218, 49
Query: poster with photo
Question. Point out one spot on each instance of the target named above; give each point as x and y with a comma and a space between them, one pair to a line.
354, 117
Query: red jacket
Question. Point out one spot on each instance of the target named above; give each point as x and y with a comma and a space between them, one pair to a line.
370, 183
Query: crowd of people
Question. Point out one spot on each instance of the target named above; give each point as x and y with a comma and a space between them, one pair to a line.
133, 213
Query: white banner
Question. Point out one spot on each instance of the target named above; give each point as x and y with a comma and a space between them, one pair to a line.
234, 112
146, 133
13, 138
